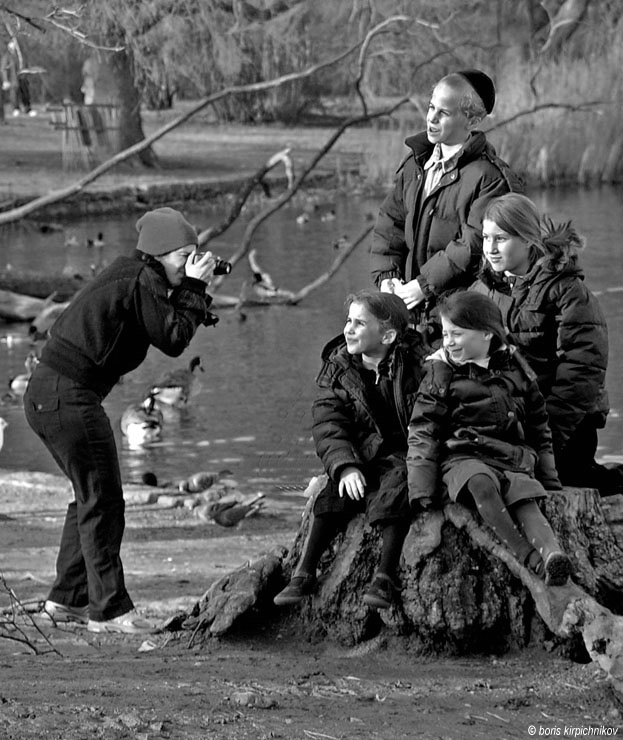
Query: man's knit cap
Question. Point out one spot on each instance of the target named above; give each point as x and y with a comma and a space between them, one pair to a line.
482, 84
164, 230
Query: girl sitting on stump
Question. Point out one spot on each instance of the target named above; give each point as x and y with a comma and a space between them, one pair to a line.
479, 425
368, 381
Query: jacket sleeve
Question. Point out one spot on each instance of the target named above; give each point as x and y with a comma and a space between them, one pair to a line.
457, 264
332, 431
578, 385
425, 432
539, 437
389, 249
170, 321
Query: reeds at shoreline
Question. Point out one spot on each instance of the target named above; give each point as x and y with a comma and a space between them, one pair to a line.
579, 140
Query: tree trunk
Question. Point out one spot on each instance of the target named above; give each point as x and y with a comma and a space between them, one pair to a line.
130, 123
108, 80
463, 591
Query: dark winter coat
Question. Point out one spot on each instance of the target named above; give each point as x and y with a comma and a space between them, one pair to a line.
495, 414
346, 428
439, 240
110, 324
558, 324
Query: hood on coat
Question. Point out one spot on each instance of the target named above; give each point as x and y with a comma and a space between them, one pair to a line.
336, 357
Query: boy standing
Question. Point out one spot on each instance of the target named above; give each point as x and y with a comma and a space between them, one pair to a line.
427, 237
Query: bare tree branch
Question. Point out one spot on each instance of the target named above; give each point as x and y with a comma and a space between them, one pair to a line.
363, 53
326, 276
280, 157
259, 219
581, 107
57, 195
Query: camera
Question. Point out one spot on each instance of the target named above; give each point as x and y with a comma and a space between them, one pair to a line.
222, 267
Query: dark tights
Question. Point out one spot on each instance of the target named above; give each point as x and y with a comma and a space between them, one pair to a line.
536, 538
325, 528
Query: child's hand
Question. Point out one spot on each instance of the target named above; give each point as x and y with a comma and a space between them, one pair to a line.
352, 483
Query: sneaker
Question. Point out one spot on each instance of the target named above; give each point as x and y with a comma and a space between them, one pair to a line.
557, 569
130, 623
64, 614
298, 588
382, 592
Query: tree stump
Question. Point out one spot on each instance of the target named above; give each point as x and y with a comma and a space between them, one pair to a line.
463, 592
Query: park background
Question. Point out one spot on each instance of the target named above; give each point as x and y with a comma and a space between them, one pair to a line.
557, 121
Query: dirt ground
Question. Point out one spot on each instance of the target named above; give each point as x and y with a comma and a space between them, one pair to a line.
263, 681
270, 680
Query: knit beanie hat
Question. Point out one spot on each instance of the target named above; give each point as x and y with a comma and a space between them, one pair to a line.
164, 230
482, 84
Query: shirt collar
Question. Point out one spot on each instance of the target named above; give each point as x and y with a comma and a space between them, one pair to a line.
447, 162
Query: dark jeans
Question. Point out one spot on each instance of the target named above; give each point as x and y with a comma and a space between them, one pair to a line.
70, 420
576, 461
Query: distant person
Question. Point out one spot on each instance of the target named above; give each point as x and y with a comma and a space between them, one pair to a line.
479, 427
15, 79
427, 237
367, 382
156, 296
532, 271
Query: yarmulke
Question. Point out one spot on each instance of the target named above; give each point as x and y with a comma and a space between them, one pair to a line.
482, 84
164, 230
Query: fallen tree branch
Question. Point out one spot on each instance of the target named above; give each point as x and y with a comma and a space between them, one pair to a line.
282, 157
259, 219
344, 254
11, 629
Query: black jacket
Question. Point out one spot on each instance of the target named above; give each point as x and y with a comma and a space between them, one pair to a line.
558, 324
438, 241
496, 414
110, 324
346, 429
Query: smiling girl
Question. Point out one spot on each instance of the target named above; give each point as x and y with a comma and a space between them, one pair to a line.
479, 428
367, 386
532, 271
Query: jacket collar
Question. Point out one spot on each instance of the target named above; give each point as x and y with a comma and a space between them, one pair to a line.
473, 148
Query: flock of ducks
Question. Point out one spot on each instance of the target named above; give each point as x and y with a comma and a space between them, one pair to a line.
141, 423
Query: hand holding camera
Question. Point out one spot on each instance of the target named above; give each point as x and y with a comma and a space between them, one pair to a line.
204, 265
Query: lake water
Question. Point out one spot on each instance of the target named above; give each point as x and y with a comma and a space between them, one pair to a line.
252, 414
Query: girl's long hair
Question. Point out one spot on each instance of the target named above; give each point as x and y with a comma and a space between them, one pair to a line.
551, 245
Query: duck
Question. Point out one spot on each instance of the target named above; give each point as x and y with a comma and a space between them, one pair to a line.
176, 387
230, 511
98, 242
328, 215
18, 383
50, 227
3, 425
302, 219
141, 423
342, 242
